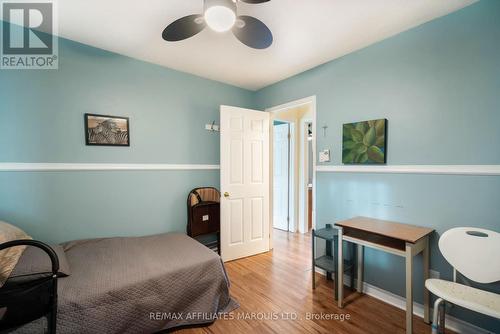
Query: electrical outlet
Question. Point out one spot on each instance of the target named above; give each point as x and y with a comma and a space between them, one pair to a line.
434, 274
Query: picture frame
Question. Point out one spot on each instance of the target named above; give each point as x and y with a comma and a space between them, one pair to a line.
106, 130
365, 142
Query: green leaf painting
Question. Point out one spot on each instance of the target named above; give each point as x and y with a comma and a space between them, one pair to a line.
364, 142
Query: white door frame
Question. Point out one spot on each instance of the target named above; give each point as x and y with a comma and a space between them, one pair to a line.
304, 168
296, 103
292, 227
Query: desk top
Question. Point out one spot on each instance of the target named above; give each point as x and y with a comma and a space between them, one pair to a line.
409, 233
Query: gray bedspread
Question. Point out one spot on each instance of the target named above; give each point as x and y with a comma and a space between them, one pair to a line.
140, 285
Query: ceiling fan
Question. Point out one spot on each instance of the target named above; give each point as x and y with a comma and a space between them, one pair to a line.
220, 16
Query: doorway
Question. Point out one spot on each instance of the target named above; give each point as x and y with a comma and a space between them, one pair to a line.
282, 170
247, 175
293, 166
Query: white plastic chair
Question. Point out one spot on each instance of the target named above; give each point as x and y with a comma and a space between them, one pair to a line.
474, 253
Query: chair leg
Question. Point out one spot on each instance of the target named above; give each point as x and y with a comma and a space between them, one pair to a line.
438, 316
442, 317
51, 322
218, 243
52, 319
52, 316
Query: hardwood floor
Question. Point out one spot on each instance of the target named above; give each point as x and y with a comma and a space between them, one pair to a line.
278, 284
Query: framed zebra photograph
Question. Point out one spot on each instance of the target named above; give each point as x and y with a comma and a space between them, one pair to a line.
103, 130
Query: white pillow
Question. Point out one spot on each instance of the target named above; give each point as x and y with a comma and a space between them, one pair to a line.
10, 256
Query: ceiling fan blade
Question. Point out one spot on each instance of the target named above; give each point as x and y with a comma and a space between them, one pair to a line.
254, 1
253, 33
183, 28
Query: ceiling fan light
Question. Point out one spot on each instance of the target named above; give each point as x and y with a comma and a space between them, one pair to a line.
220, 18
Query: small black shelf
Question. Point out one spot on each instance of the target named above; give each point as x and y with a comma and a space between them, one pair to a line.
327, 233
327, 263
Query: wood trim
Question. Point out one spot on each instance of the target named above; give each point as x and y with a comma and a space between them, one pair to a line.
71, 167
486, 170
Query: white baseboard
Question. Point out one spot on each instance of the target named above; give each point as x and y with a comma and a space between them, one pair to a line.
72, 167
452, 323
486, 170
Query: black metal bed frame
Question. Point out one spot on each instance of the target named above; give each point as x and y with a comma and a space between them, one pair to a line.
27, 298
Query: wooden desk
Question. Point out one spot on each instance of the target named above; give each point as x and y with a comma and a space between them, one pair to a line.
395, 238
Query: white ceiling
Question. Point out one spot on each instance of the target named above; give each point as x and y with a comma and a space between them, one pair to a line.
306, 33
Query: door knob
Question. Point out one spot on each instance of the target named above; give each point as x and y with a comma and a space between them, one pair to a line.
226, 194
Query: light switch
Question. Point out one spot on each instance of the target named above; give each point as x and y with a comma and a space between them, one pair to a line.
324, 156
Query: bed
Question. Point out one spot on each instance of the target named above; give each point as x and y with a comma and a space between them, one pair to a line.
138, 285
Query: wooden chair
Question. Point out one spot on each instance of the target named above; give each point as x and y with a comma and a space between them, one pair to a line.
472, 252
203, 206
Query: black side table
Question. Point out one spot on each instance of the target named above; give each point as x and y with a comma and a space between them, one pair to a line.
328, 262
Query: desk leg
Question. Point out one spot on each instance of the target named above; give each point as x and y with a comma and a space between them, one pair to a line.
340, 269
336, 264
409, 288
360, 269
425, 262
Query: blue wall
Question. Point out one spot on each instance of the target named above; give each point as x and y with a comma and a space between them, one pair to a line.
41, 120
438, 85
168, 110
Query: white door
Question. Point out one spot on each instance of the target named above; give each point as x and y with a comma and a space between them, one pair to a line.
244, 176
281, 176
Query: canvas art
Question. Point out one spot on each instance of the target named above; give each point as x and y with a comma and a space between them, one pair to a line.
365, 142
106, 130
